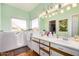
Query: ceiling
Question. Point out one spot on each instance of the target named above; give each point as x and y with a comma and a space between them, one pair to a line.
33, 7
24, 6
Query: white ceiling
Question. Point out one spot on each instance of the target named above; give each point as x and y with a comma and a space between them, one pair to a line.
24, 6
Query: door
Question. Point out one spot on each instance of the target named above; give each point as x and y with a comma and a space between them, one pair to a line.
75, 25
52, 26
78, 25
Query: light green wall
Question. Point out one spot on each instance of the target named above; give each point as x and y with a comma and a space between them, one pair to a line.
78, 25
60, 16
0, 17
34, 14
43, 23
38, 9
8, 12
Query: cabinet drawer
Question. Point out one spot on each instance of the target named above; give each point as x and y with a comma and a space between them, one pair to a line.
44, 42
65, 49
54, 53
36, 39
43, 46
42, 53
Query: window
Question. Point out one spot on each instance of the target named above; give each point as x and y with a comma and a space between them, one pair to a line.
18, 24
35, 23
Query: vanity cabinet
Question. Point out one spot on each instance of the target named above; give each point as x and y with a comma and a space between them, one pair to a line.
67, 50
47, 48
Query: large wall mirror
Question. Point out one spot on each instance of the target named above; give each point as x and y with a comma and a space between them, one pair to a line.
63, 25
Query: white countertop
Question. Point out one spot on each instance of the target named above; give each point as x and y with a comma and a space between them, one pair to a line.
67, 43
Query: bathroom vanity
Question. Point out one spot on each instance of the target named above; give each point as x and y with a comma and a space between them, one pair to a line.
53, 46
43, 45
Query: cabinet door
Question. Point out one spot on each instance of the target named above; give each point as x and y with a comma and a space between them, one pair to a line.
35, 46
8, 41
29, 44
25, 35
20, 39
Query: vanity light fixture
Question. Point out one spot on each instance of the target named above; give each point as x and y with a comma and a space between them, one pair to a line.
56, 6
42, 14
62, 11
68, 8
49, 15
46, 16
74, 5
53, 14
48, 11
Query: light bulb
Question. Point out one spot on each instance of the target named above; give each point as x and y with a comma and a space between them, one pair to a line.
49, 15
74, 5
56, 6
53, 14
68, 8
46, 16
62, 11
